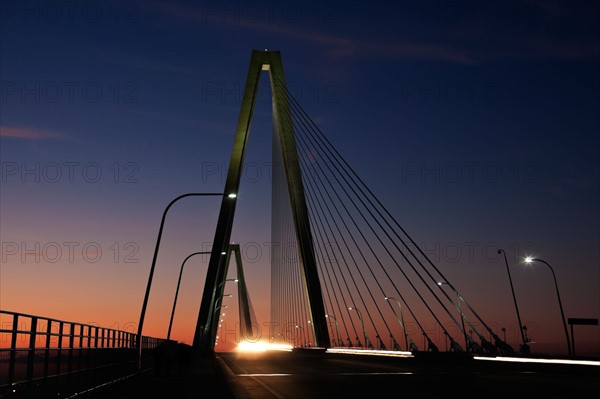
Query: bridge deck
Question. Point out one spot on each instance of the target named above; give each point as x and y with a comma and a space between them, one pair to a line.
175, 386
178, 381
318, 375
207, 378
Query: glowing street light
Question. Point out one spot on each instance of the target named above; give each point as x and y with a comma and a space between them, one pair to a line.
235, 280
462, 315
400, 320
218, 308
337, 329
300, 341
529, 260
151, 275
219, 305
223, 296
220, 315
367, 342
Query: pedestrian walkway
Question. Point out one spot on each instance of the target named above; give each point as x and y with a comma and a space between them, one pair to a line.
207, 378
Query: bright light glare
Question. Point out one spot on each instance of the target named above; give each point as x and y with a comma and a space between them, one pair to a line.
232, 195
262, 347
528, 259
534, 360
370, 352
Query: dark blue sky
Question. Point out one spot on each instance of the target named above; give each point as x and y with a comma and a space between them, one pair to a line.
475, 122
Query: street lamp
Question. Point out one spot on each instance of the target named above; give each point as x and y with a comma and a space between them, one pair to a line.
218, 308
218, 303
524, 346
337, 329
529, 259
400, 320
462, 316
300, 336
177, 290
229, 279
151, 275
220, 314
367, 342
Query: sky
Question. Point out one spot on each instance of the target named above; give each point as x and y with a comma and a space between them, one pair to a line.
475, 122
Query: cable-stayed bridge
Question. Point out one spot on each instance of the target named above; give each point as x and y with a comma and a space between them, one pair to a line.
344, 271
346, 277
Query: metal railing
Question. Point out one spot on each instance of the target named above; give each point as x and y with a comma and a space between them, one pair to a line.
37, 350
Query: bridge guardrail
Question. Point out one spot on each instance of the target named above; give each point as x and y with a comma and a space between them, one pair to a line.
40, 350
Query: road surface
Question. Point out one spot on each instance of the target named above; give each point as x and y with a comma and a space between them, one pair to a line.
305, 375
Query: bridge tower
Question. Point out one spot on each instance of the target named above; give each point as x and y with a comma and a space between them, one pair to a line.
207, 324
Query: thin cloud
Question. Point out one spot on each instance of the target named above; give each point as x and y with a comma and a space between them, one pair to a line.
29, 133
556, 17
346, 47
339, 46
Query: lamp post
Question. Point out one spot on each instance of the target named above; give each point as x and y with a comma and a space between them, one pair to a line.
218, 303
151, 275
362, 324
562, 313
219, 300
219, 306
400, 320
337, 328
218, 309
177, 290
229, 279
220, 314
300, 335
524, 346
462, 316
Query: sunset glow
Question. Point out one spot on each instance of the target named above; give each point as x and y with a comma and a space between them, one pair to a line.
473, 125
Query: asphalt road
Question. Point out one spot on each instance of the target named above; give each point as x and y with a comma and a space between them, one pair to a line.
304, 375
313, 374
